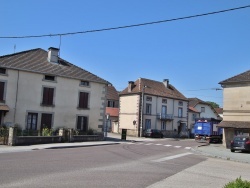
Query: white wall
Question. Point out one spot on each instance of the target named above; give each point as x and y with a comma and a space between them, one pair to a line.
66, 93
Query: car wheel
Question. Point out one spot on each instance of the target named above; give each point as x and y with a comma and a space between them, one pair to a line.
232, 150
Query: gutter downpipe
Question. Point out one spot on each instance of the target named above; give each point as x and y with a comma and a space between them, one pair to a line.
142, 106
16, 96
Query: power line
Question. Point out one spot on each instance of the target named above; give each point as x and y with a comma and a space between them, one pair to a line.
127, 26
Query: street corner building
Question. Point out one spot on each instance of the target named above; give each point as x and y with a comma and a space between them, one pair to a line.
148, 104
39, 89
236, 107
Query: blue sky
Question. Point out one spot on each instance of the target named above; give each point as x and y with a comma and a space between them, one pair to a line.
194, 54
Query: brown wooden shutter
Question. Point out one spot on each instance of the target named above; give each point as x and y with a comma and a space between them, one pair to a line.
1, 90
48, 94
83, 100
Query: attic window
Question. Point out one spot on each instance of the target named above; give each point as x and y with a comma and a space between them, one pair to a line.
2, 71
180, 103
148, 98
48, 77
84, 83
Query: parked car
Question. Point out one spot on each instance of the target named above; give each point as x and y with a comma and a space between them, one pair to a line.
153, 133
241, 143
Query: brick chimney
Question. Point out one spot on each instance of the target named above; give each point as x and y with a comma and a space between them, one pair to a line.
130, 85
53, 55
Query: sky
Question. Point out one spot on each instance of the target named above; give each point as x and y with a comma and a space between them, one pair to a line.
194, 54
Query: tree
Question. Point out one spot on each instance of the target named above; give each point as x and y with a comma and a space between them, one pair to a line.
213, 104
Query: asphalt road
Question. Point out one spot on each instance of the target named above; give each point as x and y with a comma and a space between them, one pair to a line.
138, 164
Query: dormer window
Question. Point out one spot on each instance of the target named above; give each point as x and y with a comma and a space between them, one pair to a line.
2, 71
49, 78
84, 83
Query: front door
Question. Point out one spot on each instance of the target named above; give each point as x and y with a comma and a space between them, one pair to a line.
46, 121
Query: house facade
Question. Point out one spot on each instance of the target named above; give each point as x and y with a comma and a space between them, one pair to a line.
148, 104
112, 109
236, 106
38, 89
200, 109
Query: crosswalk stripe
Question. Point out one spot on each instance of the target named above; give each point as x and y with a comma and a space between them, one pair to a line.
187, 147
171, 157
168, 145
177, 146
148, 144
158, 144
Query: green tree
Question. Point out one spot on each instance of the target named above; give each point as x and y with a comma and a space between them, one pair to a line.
213, 104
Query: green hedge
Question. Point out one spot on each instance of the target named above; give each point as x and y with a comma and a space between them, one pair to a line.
238, 183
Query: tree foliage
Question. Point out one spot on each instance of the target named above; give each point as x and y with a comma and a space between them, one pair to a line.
213, 104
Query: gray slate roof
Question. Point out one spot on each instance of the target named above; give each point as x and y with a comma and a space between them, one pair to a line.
243, 77
35, 60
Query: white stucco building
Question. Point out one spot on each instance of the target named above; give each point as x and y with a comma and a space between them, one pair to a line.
38, 89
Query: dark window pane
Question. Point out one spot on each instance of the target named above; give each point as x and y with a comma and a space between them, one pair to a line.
32, 121
1, 90
82, 123
51, 78
46, 121
2, 71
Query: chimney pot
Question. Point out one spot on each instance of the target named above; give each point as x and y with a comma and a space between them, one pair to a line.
130, 85
53, 55
166, 82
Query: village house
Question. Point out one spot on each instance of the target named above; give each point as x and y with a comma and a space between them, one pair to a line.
39, 89
148, 104
236, 106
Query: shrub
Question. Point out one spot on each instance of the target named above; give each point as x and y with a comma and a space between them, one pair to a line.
238, 183
47, 132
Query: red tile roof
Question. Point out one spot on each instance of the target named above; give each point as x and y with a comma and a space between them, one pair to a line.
112, 94
243, 77
154, 88
114, 112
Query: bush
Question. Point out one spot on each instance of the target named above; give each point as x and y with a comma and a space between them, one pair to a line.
47, 132
238, 183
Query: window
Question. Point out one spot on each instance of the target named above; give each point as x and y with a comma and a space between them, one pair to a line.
148, 108
82, 123
83, 100
179, 112
84, 83
111, 104
147, 124
193, 117
202, 109
180, 103
50, 78
48, 95
2, 71
46, 121
2, 84
32, 121
164, 110
164, 101
163, 125
148, 98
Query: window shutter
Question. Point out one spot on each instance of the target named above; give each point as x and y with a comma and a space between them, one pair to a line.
1, 90
83, 100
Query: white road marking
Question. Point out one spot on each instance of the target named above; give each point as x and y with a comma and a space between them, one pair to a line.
172, 157
168, 145
148, 144
177, 146
158, 144
187, 147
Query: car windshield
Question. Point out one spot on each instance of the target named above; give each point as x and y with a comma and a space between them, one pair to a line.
240, 139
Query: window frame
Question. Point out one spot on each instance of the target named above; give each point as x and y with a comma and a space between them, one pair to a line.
46, 99
29, 125
3, 94
83, 103
147, 124
5, 71
148, 109
163, 125
203, 109
46, 76
180, 112
84, 124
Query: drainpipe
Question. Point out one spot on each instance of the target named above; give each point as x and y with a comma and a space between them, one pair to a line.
173, 117
16, 96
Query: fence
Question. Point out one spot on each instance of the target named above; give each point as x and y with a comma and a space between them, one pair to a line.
65, 135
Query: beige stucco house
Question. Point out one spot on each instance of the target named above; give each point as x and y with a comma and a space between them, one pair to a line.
148, 104
236, 106
39, 89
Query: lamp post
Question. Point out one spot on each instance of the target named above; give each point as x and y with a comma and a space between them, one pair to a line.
106, 126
